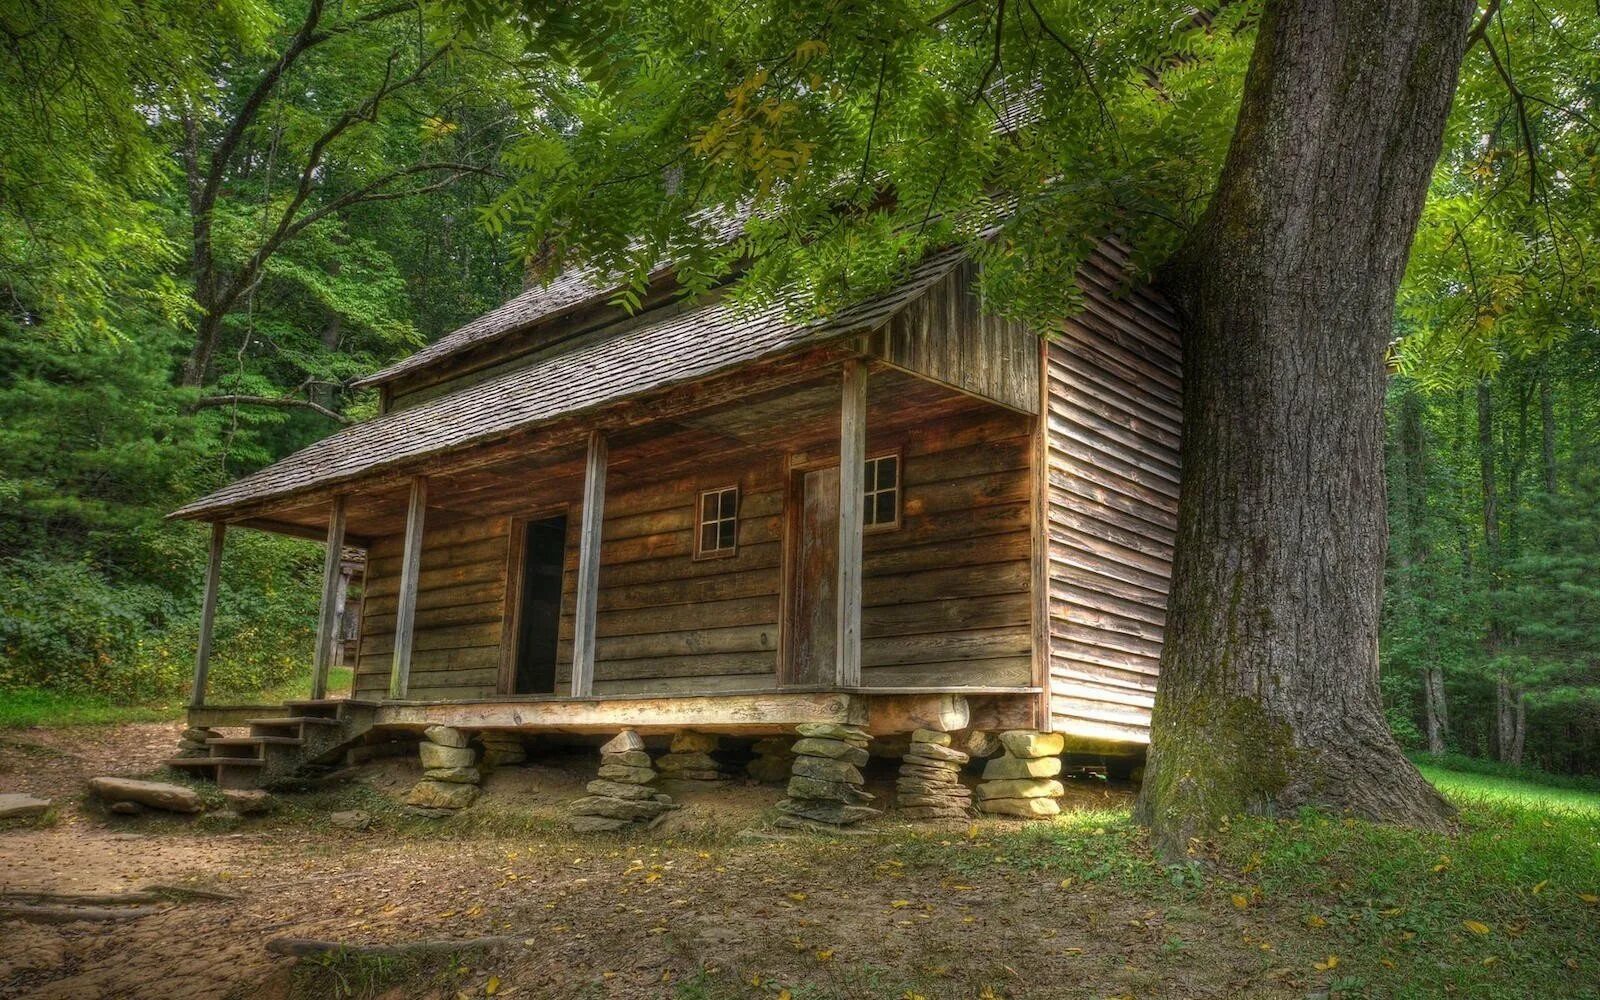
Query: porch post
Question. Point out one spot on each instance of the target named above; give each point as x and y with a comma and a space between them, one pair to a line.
208, 615
594, 500
406, 605
852, 486
328, 614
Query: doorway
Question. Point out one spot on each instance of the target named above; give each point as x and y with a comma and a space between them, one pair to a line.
814, 580
544, 544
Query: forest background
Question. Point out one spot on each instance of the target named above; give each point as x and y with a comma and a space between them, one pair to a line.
213, 215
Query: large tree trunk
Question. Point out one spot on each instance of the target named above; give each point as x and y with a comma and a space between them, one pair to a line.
1268, 698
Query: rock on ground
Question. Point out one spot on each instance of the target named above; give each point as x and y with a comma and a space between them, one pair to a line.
155, 794
249, 801
441, 795
15, 805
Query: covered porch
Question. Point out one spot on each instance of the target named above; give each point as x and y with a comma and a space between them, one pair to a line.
805, 596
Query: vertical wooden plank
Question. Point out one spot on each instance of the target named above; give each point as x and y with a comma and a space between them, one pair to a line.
588, 581
328, 613
1039, 607
852, 487
405, 618
208, 615
511, 615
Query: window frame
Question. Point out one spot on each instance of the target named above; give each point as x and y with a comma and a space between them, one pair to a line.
870, 494
700, 522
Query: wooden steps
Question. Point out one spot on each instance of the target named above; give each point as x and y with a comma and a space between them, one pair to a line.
279, 749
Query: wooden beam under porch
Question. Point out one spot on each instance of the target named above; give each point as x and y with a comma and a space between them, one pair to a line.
756, 713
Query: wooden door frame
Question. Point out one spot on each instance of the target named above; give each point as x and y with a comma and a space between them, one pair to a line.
795, 467
511, 611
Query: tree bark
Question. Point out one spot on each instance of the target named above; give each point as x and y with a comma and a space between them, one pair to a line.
1505, 697
1268, 698
1414, 455
1547, 428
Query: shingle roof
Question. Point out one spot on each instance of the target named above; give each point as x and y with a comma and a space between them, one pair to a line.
687, 345
542, 303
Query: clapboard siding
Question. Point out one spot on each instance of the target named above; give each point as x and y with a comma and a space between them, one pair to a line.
1113, 412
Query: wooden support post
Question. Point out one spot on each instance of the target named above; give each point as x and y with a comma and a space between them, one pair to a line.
208, 615
852, 487
328, 613
588, 582
405, 618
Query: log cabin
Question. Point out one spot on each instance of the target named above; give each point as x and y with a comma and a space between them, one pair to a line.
911, 513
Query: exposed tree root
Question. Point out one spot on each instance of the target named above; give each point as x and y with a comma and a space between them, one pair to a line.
312, 948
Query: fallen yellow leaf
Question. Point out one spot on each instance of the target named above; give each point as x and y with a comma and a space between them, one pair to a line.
1491, 960
492, 986
1477, 927
798, 897
1241, 901
783, 995
1328, 964
1589, 897
900, 904
1540, 887
825, 955
1314, 921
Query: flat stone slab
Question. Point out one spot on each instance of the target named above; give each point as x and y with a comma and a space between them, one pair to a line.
1027, 743
1002, 768
833, 731
831, 748
827, 769
249, 801
436, 756
931, 736
1025, 808
627, 774
1022, 788
620, 790
623, 742
625, 758
441, 795
16, 805
445, 736
459, 775
155, 794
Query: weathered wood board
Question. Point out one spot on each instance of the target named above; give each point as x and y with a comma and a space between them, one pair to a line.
1113, 412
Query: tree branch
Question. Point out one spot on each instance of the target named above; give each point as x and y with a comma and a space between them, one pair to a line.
280, 402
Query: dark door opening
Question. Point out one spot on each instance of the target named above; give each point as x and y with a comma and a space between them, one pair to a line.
544, 546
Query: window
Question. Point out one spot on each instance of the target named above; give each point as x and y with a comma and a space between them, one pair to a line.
881, 508
719, 523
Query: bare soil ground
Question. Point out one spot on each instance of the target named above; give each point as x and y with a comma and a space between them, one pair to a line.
713, 904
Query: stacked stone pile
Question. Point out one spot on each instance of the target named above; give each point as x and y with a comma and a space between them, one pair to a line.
930, 779
1022, 780
450, 774
193, 741
825, 778
501, 749
691, 757
621, 796
772, 761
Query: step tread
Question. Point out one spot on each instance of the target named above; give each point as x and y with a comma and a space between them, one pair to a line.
214, 761
246, 741
295, 720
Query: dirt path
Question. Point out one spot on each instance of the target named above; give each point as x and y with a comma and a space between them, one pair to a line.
926, 912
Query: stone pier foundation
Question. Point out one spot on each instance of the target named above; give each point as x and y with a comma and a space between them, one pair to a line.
621, 796
825, 778
1022, 780
450, 774
930, 779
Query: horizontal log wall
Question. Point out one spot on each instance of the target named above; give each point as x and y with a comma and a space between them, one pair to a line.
945, 595
1113, 417
460, 600
669, 622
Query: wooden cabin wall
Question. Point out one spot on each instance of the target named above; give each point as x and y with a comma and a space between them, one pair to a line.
666, 621
1114, 414
460, 600
945, 595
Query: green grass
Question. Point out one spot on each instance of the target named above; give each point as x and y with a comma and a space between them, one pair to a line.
40, 707
36, 707
1473, 789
